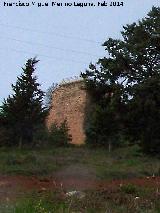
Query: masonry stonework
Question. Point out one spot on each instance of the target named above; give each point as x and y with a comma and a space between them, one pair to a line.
69, 102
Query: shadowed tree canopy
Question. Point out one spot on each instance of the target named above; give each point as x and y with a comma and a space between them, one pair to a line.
132, 59
129, 70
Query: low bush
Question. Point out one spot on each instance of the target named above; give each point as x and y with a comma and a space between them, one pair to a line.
129, 188
59, 134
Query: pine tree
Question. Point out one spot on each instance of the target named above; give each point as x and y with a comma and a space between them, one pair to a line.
24, 110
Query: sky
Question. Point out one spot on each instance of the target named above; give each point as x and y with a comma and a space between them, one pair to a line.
66, 39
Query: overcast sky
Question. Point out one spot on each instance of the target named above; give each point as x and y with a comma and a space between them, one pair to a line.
64, 39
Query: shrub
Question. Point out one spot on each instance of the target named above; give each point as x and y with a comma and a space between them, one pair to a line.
129, 188
58, 134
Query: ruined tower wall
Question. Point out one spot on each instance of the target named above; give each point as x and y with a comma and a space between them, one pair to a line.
69, 102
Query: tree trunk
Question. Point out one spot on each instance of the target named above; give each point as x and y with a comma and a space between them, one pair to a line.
20, 142
109, 146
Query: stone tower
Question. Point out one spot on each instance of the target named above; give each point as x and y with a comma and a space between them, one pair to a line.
70, 102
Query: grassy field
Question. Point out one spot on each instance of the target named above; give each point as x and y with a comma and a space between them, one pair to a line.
123, 163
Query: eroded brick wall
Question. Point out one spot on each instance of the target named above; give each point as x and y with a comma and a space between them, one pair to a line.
69, 102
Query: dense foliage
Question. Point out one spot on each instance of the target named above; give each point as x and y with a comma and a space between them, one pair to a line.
125, 87
23, 111
59, 134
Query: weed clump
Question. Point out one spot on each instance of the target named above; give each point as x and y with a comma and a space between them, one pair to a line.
129, 188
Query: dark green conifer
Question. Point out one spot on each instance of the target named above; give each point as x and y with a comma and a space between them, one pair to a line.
24, 110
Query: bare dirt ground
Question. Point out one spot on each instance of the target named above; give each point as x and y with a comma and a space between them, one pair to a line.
76, 177
71, 178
